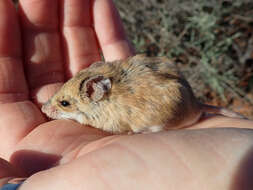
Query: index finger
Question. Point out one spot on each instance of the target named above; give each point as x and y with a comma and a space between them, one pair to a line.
13, 85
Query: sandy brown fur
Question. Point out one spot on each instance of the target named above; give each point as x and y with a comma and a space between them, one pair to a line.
145, 92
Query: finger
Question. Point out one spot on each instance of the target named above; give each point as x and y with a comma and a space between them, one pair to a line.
16, 121
80, 43
110, 31
6, 170
12, 80
42, 48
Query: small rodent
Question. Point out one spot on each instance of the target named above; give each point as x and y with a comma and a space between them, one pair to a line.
137, 95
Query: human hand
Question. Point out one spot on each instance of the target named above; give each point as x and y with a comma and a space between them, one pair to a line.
59, 38
185, 159
32, 144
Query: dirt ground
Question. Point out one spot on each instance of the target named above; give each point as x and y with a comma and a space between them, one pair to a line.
211, 42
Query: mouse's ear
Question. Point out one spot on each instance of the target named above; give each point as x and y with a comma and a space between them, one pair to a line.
96, 87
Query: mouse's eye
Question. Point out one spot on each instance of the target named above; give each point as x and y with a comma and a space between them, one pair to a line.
65, 103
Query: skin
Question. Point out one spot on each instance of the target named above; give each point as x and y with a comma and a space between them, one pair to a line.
50, 50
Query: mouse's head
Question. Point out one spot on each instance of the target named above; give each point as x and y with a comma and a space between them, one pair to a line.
78, 97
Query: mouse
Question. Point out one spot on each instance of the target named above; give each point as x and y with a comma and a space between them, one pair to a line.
139, 94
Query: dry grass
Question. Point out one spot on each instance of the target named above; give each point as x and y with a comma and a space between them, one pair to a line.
212, 42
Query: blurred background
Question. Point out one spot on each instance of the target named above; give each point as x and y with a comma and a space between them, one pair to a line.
210, 40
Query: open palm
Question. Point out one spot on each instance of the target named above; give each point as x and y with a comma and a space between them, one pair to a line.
50, 44
47, 43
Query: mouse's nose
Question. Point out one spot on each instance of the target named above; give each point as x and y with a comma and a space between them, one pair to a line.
50, 110
44, 109
47, 108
